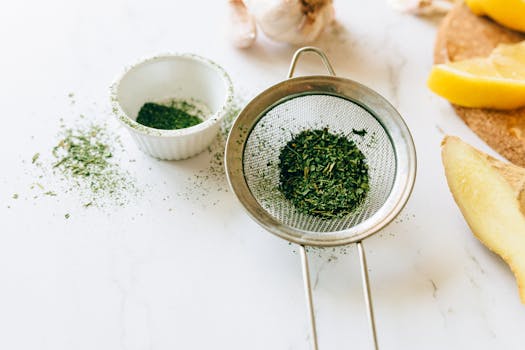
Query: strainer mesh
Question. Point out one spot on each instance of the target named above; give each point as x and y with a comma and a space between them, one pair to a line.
317, 111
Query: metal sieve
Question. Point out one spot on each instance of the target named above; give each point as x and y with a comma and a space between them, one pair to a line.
345, 107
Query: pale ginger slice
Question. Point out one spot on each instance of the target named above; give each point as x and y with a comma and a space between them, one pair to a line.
491, 197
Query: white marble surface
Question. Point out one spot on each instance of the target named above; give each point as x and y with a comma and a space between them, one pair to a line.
203, 275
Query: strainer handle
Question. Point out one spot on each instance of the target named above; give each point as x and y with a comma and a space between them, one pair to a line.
308, 292
367, 293
298, 53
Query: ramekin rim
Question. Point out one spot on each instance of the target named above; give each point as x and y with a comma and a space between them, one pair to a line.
148, 131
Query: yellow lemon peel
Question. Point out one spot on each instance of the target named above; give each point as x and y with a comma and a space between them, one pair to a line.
496, 81
510, 13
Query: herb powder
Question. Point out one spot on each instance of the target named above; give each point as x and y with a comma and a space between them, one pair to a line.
323, 174
167, 117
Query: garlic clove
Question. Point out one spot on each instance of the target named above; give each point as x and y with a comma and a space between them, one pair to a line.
243, 31
292, 21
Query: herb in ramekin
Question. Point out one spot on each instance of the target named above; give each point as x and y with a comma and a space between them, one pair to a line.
168, 117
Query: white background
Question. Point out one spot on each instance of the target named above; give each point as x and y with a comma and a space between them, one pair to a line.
203, 275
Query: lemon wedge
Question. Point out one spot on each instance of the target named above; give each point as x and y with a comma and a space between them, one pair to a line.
496, 81
510, 13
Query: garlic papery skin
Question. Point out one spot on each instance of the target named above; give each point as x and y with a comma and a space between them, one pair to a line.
292, 21
243, 30
423, 7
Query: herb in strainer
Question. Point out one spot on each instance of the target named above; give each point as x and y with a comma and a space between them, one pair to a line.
323, 174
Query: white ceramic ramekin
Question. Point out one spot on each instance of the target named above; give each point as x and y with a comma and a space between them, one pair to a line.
168, 76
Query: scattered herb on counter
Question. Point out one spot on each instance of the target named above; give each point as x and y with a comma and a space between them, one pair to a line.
84, 156
82, 153
37, 184
87, 162
67, 215
168, 117
323, 174
208, 184
35, 158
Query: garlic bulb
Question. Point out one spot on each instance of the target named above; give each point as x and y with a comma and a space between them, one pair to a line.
243, 31
423, 7
292, 21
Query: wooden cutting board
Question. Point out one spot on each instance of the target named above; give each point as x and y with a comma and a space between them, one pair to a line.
464, 35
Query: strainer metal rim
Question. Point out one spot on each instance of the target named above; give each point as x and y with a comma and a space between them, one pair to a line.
355, 92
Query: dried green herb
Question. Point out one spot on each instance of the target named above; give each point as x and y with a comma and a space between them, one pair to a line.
361, 132
170, 117
323, 174
37, 184
84, 155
